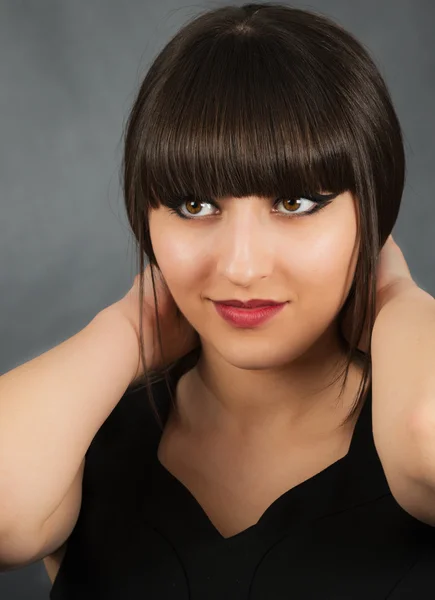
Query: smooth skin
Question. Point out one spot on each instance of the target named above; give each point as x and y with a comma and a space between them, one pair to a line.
244, 250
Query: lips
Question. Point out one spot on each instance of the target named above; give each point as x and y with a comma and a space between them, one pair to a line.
249, 303
247, 317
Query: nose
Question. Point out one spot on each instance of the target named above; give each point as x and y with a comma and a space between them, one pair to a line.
245, 250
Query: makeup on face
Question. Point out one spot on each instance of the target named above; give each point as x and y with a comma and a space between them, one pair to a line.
243, 317
318, 202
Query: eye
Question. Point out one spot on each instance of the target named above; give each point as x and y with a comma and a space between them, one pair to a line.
194, 206
291, 205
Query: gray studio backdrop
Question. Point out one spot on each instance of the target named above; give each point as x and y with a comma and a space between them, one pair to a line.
68, 72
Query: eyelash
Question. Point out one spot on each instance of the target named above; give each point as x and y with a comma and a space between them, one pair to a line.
321, 201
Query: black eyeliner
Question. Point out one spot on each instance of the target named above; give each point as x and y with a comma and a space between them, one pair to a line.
322, 200
320, 197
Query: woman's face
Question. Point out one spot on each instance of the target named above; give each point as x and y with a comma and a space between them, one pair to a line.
252, 247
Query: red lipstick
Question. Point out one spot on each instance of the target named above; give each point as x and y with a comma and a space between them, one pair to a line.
255, 303
243, 316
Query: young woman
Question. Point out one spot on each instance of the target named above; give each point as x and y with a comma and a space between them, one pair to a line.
247, 422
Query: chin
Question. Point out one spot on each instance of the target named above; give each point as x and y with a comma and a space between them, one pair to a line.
260, 358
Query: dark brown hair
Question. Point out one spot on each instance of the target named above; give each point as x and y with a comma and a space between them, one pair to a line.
268, 100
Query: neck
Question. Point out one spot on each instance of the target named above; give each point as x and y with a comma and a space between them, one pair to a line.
221, 395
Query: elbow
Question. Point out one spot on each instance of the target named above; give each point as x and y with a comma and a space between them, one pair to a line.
416, 498
412, 479
18, 549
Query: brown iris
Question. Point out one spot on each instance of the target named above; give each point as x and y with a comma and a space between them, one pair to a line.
285, 201
197, 202
289, 201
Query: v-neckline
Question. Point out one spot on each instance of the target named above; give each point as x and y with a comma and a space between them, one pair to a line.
181, 493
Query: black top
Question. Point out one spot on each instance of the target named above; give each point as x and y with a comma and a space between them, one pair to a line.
141, 533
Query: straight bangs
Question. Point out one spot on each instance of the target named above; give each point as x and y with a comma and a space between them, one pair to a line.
272, 101
240, 114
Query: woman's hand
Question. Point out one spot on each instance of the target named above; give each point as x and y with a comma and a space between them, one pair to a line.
393, 277
178, 336
393, 274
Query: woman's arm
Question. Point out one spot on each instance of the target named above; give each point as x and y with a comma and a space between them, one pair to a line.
403, 387
50, 409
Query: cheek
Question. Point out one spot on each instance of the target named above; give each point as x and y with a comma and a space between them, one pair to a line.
324, 275
181, 261
318, 268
